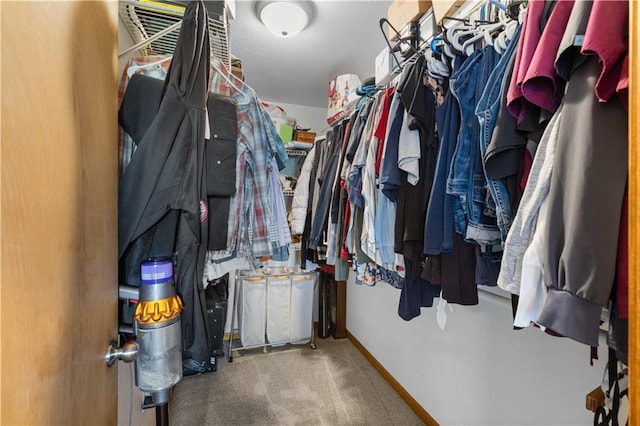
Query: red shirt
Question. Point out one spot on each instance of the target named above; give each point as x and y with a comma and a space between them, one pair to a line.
529, 38
381, 128
541, 85
607, 36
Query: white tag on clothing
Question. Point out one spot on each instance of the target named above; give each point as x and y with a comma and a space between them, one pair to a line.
207, 125
441, 312
399, 265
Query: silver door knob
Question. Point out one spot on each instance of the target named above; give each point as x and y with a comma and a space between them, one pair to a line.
127, 353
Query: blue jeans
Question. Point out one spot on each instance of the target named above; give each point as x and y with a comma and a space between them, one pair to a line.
466, 176
457, 178
487, 112
487, 267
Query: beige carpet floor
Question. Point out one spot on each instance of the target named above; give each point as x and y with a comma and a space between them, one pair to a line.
292, 385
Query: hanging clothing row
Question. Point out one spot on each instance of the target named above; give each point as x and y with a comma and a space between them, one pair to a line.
499, 157
200, 161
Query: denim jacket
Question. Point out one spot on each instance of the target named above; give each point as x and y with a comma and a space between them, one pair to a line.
466, 175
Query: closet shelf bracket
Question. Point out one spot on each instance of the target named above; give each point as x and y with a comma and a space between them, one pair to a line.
151, 39
154, 26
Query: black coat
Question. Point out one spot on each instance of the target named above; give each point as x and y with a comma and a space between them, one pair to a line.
162, 194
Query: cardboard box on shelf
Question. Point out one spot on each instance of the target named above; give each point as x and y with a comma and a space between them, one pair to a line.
304, 136
442, 8
236, 68
237, 72
401, 12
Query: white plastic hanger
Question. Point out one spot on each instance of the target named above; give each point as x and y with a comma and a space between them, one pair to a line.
503, 39
469, 46
458, 35
453, 35
228, 77
435, 67
157, 65
485, 32
448, 51
510, 29
436, 64
499, 43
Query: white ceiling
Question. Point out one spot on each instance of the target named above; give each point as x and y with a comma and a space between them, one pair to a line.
344, 37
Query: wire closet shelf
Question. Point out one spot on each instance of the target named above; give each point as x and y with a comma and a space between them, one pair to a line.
154, 27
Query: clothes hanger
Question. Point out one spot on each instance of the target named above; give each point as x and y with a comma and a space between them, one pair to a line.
451, 37
491, 31
495, 34
499, 43
221, 69
454, 36
435, 47
483, 33
473, 32
410, 42
437, 63
497, 3
505, 32
514, 8
451, 18
449, 55
438, 47
438, 71
435, 67
133, 68
505, 36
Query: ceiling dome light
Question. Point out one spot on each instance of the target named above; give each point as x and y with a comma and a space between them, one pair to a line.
285, 18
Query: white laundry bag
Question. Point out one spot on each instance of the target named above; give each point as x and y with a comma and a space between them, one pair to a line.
278, 308
252, 315
302, 291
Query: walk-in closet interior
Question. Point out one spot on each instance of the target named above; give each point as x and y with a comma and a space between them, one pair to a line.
441, 195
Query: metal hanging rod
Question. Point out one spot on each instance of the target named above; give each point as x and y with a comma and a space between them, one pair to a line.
151, 39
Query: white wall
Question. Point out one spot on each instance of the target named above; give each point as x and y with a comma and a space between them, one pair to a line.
479, 371
306, 116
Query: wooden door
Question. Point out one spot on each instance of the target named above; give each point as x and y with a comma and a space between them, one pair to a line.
634, 214
58, 212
